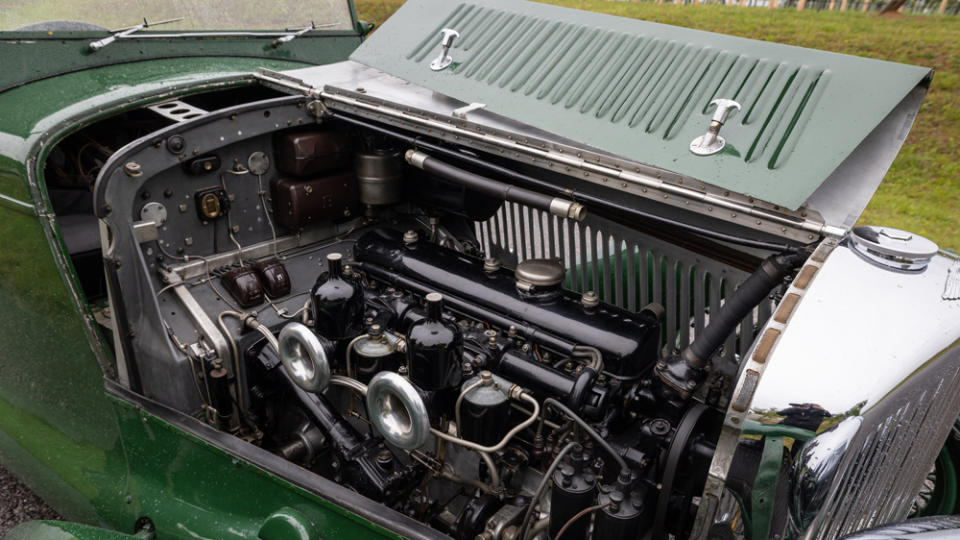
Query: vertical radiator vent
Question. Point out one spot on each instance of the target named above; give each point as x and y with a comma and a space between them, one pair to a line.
626, 268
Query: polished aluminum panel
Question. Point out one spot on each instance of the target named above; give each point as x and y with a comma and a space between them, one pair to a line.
870, 358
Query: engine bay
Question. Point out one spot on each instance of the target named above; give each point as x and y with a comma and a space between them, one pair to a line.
487, 359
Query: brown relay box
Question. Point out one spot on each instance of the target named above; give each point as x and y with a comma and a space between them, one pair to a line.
313, 153
301, 202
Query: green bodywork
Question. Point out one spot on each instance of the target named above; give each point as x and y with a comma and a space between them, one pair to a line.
642, 90
96, 456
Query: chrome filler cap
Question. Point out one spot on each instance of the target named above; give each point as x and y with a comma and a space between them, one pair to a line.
893, 248
540, 273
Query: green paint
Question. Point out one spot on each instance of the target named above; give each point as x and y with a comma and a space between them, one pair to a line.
752, 427
765, 488
829, 102
37, 107
98, 459
190, 489
62, 530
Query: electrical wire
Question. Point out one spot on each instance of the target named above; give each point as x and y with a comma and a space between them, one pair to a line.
550, 402
575, 517
543, 486
266, 213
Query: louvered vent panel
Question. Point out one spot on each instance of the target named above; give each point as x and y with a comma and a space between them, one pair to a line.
645, 83
625, 268
891, 455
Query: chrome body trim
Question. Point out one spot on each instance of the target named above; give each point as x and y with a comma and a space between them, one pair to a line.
856, 363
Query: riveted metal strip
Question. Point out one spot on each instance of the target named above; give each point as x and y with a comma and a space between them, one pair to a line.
615, 173
747, 385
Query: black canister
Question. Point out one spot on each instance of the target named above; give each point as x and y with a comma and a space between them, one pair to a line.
574, 488
621, 516
484, 413
337, 303
435, 349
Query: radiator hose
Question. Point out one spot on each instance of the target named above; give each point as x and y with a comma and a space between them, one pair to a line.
685, 371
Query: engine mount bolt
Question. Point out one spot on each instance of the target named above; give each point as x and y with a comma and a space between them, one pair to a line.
512, 330
491, 264
411, 237
590, 300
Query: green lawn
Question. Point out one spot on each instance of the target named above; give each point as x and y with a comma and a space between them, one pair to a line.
921, 192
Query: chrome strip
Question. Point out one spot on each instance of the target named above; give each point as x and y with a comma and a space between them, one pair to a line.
16, 203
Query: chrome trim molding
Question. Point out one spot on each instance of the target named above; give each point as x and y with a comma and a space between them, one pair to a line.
854, 363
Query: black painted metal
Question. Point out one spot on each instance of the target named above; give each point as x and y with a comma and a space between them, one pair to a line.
627, 340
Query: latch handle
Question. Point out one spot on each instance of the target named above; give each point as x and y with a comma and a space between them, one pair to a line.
711, 142
447, 35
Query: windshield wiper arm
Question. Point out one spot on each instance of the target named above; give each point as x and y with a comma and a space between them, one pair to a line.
124, 32
297, 33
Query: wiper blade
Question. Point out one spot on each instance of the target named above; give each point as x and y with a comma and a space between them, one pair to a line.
283, 36
126, 32
297, 33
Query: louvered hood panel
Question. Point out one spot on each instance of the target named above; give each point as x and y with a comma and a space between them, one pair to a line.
642, 91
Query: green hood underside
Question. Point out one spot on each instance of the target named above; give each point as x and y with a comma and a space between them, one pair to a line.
642, 91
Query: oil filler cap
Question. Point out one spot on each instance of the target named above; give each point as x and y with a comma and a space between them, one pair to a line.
540, 273
893, 248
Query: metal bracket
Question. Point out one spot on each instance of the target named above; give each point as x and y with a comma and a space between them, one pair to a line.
711, 142
317, 109
198, 315
145, 231
461, 113
446, 41
177, 110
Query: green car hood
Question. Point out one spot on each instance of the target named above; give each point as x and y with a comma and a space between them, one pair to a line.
816, 129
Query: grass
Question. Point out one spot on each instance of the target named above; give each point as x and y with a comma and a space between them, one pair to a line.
921, 192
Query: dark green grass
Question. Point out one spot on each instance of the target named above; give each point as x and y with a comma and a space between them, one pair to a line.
922, 190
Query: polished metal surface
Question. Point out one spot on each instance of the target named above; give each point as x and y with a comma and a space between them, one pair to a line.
176, 110
540, 272
304, 357
258, 162
870, 359
380, 176
568, 209
447, 35
397, 410
817, 468
711, 142
893, 248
